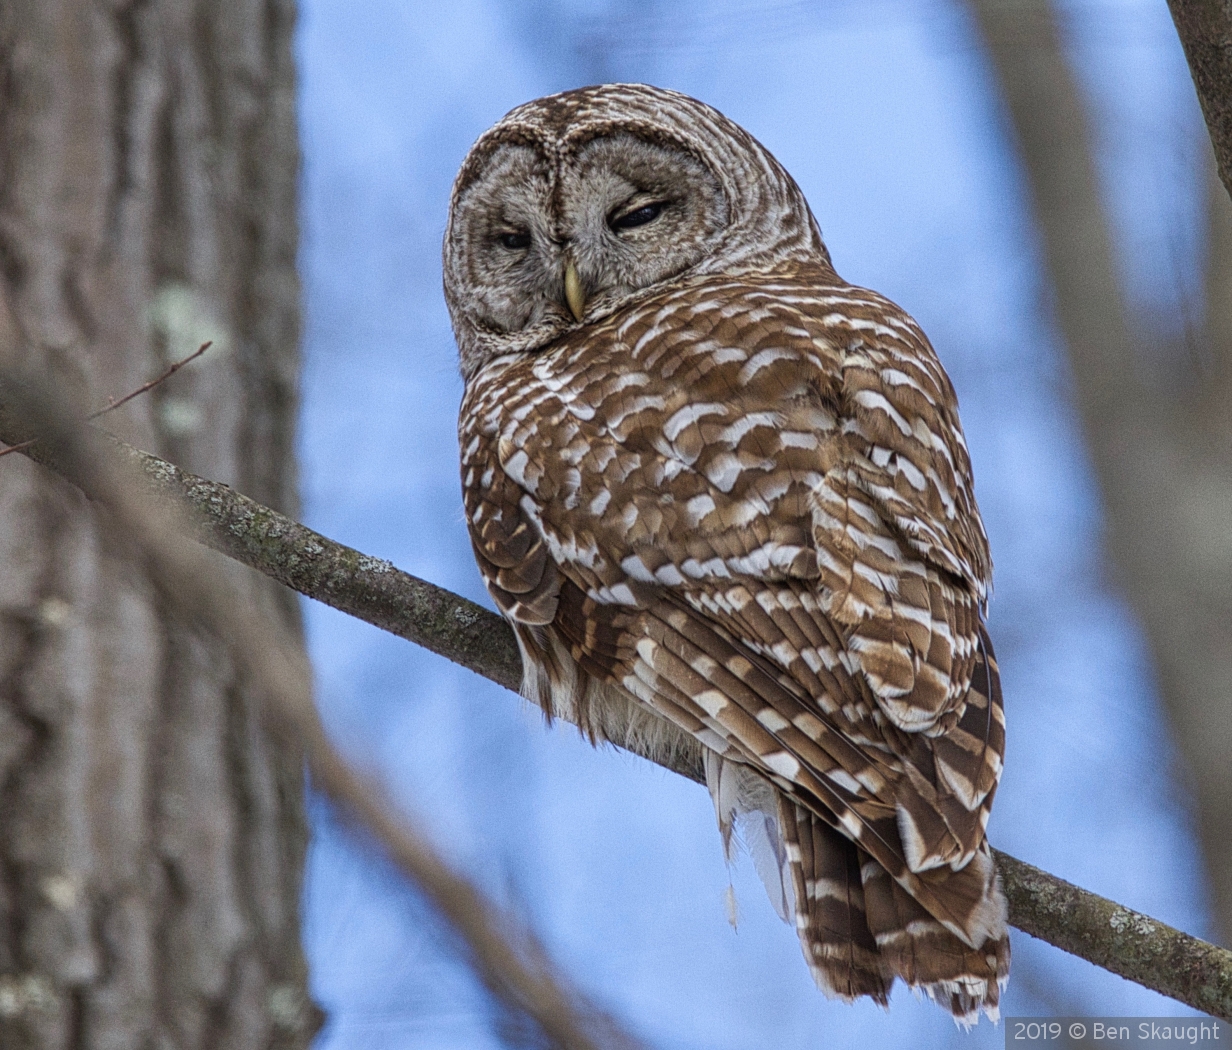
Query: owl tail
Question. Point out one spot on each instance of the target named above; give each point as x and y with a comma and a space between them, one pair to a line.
831, 909
860, 929
917, 948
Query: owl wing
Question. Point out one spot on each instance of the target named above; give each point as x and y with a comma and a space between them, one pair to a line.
899, 535
718, 527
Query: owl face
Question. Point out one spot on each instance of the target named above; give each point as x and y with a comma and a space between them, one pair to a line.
576, 204
553, 243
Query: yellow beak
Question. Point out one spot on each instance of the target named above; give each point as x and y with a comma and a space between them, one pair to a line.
574, 295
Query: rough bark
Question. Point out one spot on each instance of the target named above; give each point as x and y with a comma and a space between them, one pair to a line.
1123, 941
530, 991
151, 837
1205, 29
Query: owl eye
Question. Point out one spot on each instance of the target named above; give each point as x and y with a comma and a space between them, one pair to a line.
638, 217
515, 241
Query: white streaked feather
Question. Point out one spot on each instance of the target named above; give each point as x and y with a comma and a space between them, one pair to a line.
747, 812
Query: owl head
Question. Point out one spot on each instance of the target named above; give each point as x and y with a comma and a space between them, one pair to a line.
577, 204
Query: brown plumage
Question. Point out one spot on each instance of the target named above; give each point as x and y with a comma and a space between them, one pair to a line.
728, 503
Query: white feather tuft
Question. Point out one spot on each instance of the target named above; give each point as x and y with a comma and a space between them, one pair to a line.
745, 802
731, 907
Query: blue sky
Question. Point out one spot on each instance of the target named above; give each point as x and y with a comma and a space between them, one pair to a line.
885, 113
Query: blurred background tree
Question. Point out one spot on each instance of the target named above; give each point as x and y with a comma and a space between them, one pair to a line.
151, 839
1156, 407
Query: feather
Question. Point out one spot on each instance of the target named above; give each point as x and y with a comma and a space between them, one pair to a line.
767, 548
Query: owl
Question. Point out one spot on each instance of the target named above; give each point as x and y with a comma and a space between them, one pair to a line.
724, 499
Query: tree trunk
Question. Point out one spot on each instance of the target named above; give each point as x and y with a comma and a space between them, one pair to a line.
151, 835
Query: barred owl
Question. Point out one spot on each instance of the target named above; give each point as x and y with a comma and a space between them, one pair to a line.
724, 499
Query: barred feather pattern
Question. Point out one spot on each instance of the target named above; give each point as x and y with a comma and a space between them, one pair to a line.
725, 501
745, 506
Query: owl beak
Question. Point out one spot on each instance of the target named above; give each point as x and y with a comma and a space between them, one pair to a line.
574, 295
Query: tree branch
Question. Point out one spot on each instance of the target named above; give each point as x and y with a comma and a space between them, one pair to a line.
1205, 29
1125, 942
1161, 446
1122, 941
506, 956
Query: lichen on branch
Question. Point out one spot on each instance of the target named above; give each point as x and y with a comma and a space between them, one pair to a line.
1094, 928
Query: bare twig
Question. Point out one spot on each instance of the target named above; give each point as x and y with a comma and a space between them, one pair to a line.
111, 406
21, 447
506, 956
147, 387
1127, 943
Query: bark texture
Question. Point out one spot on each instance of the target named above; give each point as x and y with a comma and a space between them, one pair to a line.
151, 835
531, 993
1205, 29
1156, 417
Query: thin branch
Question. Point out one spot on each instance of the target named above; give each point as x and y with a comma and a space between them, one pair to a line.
19, 447
146, 387
1125, 942
111, 406
1216, 333
1122, 941
506, 956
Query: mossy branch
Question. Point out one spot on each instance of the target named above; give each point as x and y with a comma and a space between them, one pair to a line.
149, 515
1094, 928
